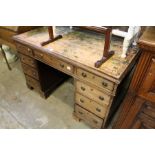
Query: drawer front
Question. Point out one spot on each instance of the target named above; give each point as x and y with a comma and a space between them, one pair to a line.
30, 71
88, 117
100, 82
32, 82
92, 93
24, 49
28, 60
61, 65
91, 105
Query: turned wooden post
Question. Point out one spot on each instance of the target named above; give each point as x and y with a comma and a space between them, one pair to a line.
106, 53
51, 36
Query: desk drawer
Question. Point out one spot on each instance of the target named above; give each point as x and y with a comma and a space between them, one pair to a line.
91, 105
24, 49
56, 63
99, 81
30, 71
28, 60
32, 82
92, 93
88, 117
63, 66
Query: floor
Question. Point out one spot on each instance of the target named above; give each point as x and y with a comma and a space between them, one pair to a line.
24, 108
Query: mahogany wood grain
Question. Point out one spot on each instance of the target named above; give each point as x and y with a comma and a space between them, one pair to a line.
142, 89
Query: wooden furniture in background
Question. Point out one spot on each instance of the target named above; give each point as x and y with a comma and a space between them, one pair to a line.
138, 108
96, 89
6, 34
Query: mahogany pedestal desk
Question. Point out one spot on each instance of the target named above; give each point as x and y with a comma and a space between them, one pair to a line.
138, 108
96, 89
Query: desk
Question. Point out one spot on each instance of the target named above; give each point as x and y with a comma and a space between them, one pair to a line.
96, 89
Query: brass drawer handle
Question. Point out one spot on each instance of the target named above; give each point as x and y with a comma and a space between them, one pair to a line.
82, 101
80, 112
62, 65
82, 88
97, 109
40, 55
84, 75
101, 98
29, 50
34, 73
104, 84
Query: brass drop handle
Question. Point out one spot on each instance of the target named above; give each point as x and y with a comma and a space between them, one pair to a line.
80, 112
101, 98
97, 109
62, 65
82, 88
40, 55
29, 50
84, 75
81, 100
104, 84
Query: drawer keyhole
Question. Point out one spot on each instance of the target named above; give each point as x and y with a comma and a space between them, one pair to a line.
101, 98
104, 84
82, 88
97, 109
84, 75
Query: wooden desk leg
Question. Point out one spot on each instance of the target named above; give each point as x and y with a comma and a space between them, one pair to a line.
4, 55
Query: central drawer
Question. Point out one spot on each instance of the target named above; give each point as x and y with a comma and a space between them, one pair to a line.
91, 105
56, 63
92, 93
88, 117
